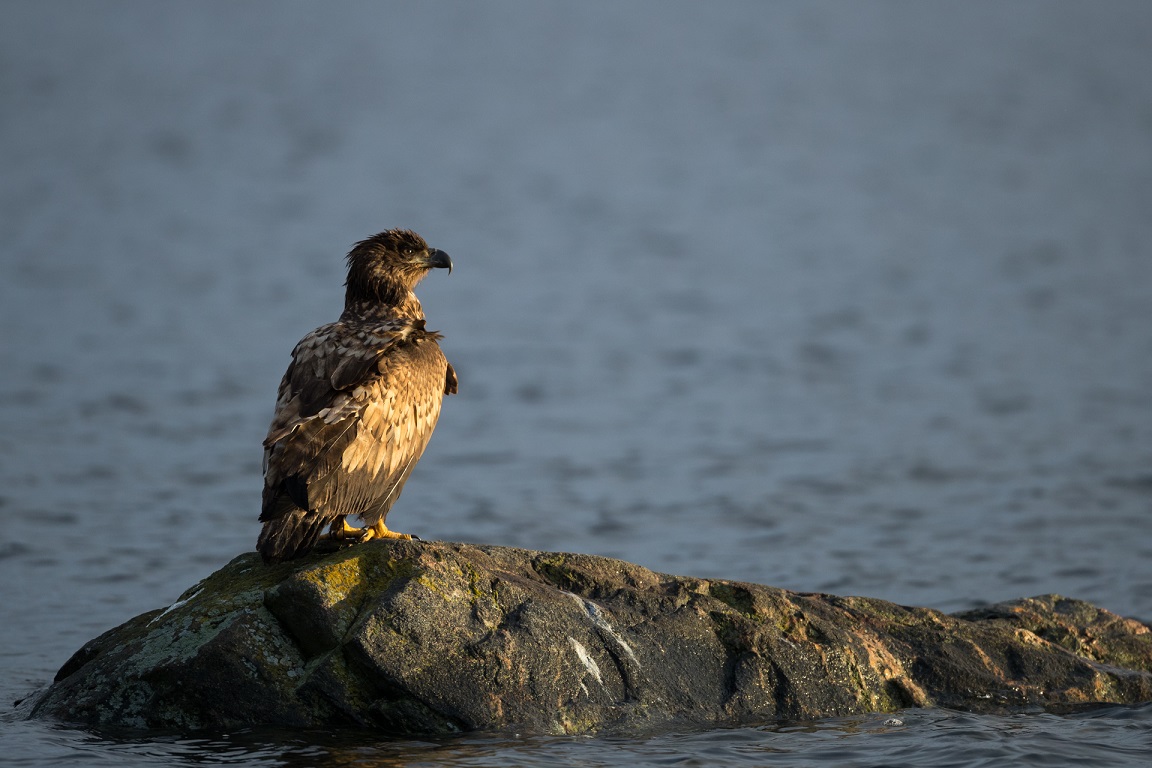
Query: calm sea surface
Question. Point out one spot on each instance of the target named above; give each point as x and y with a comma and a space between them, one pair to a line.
854, 298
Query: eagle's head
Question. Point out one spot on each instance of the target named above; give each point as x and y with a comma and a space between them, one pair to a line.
383, 269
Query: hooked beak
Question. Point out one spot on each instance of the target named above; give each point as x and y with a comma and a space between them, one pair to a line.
437, 259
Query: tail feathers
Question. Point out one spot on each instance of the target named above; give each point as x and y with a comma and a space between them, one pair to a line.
290, 535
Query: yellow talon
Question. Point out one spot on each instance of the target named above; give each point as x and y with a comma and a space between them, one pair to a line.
380, 531
342, 533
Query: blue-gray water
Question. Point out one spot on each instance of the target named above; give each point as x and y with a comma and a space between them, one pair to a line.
852, 297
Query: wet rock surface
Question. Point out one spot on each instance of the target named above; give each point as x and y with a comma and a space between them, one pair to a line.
435, 637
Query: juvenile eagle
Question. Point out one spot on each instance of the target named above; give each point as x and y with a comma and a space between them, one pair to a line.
357, 404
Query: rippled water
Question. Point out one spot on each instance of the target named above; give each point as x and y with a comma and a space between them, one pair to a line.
932, 739
851, 298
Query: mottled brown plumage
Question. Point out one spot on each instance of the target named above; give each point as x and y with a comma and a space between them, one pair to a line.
357, 404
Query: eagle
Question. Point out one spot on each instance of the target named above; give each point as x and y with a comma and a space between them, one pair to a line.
356, 406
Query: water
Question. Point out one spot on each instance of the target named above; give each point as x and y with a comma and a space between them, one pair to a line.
851, 298
932, 739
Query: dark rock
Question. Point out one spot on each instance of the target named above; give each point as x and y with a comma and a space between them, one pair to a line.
430, 638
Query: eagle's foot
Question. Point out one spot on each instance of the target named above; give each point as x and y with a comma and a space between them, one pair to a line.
342, 533
380, 531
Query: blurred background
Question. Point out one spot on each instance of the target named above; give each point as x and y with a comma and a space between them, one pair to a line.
834, 297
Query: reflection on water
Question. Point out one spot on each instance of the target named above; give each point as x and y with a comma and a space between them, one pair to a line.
1107, 736
833, 298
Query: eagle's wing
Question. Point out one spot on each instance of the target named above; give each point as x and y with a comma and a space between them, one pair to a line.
354, 412
327, 366
322, 393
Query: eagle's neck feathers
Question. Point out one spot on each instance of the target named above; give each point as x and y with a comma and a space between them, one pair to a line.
375, 298
407, 308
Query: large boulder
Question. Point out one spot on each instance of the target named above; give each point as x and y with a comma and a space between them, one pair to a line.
434, 637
